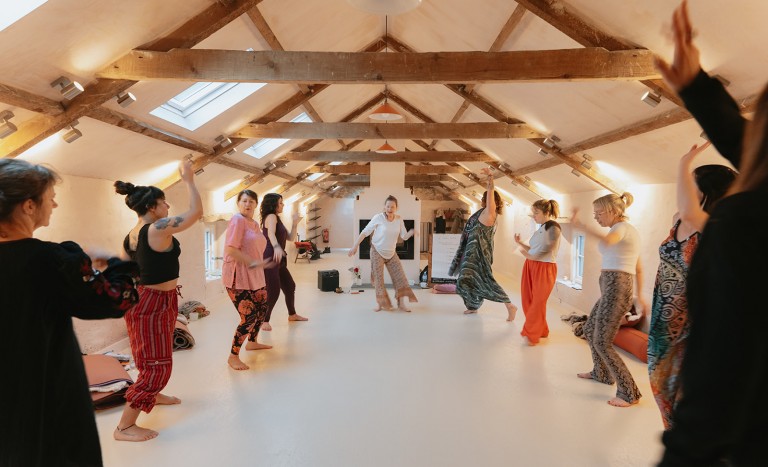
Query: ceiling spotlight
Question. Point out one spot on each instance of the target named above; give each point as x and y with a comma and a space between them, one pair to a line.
6, 128
72, 133
725, 82
199, 171
551, 141
385, 112
704, 135
231, 151
542, 152
586, 165
223, 141
651, 98
68, 89
125, 99
385, 7
576, 172
270, 166
386, 148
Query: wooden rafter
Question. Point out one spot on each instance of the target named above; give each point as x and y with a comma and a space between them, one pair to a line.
26, 100
210, 20
566, 65
406, 156
290, 130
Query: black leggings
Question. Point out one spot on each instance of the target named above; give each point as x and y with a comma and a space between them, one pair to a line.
279, 278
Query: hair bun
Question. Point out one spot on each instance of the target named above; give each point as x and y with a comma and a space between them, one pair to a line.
124, 188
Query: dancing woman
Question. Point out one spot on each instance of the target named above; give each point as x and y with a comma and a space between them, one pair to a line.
151, 322
386, 227
539, 269
474, 257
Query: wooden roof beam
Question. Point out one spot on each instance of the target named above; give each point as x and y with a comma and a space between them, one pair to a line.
405, 156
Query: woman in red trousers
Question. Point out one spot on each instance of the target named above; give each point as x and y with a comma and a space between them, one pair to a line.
540, 269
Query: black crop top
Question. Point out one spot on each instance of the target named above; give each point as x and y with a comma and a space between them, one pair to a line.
156, 267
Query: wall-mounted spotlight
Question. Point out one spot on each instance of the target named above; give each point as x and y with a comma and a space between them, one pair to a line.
542, 152
269, 167
125, 99
551, 141
68, 89
651, 98
72, 133
223, 141
585, 163
199, 171
725, 82
527, 181
6, 128
576, 172
704, 135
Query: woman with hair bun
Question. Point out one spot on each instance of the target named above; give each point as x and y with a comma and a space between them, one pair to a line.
540, 269
151, 323
48, 415
621, 260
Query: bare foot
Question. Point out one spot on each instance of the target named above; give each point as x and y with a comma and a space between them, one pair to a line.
134, 433
529, 341
162, 399
297, 317
402, 306
256, 346
584, 375
236, 364
404, 309
266, 326
512, 311
619, 402
378, 308
469, 312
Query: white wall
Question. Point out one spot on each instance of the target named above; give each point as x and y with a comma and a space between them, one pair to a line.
387, 178
335, 216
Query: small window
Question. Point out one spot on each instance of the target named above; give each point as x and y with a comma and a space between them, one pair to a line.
208, 252
578, 258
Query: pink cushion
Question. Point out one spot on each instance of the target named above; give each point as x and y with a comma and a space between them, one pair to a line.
634, 342
444, 288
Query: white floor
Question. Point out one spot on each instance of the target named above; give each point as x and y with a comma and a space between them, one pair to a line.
356, 388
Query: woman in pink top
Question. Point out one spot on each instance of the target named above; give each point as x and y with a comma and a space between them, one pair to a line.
243, 276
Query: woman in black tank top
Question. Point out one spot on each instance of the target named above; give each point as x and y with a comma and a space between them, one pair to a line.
151, 322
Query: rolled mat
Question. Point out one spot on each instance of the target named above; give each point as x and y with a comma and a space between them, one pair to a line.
182, 339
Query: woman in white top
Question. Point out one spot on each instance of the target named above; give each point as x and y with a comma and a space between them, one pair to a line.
540, 269
386, 227
621, 260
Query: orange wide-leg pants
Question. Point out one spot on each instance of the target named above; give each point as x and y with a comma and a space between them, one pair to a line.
537, 283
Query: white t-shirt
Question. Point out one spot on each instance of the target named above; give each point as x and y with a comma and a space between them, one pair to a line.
622, 255
545, 243
385, 233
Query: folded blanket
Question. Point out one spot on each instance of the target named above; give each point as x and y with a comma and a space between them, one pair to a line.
182, 339
107, 380
577, 323
188, 307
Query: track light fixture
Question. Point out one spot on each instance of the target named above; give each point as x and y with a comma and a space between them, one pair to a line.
125, 99
576, 172
68, 89
6, 128
72, 133
527, 181
551, 141
651, 98
199, 171
704, 135
585, 163
725, 82
542, 152
223, 141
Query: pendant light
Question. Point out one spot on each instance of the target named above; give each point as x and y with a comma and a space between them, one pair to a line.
386, 148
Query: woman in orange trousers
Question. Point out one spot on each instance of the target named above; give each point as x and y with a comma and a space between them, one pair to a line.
540, 269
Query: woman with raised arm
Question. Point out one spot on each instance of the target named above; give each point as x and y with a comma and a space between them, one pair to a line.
151, 323
386, 227
474, 258
278, 278
48, 415
539, 269
720, 419
243, 276
697, 193
621, 261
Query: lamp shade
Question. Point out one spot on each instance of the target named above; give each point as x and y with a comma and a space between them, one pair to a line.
385, 7
385, 112
386, 148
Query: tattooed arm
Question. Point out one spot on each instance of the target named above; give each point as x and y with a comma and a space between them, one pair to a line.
161, 231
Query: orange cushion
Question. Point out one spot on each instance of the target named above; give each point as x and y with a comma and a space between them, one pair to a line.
634, 342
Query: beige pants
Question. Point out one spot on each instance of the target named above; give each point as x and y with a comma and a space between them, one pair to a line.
395, 268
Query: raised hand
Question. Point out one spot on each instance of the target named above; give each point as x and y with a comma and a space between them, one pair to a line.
185, 169
685, 64
688, 157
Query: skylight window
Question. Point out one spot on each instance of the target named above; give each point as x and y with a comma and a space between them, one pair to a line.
314, 177
14, 11
267, 145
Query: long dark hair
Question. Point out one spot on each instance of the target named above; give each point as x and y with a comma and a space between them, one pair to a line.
139, 198
713, 181
269, 206
20, 181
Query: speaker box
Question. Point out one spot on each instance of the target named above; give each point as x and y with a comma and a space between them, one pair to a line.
327, 281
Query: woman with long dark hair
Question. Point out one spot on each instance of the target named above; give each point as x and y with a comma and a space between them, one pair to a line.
151, 323
48, 413
720, 419
474, 257
243, 276
278, 278
697, 193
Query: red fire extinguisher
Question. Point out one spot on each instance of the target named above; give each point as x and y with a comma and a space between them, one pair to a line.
325, 235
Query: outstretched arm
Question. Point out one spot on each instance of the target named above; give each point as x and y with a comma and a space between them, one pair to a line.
162, 229
488, 216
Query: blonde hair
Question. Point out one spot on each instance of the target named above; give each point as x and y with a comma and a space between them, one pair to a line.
550, 208
615, 204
